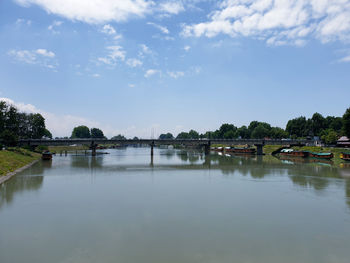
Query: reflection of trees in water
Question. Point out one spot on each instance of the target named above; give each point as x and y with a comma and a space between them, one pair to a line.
189, 156
19, 184
316, 183
87, 162
168, 153
347, 191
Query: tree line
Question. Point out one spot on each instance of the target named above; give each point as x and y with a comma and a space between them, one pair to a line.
15, 125
328, 129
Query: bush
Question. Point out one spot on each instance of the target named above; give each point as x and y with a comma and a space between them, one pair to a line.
41, 148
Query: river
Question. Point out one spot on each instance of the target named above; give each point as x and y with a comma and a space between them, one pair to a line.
179, 207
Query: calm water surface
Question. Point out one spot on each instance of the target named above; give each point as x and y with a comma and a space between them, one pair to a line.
182, 207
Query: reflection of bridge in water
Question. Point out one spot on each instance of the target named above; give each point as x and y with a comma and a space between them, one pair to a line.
205, 143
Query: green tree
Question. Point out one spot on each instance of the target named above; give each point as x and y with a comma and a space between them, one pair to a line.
9, 138
193, 134
183, 135
228, 129
278, 133
243, 132
47, 134
81, 132
297, 127
346, 123
260, 132
166, 136
96, 133
37, 126
118, 137
329, 136
318, 124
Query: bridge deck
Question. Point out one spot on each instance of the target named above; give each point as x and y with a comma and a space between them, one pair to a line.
61, 142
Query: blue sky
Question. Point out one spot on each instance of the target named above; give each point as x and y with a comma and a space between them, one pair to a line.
141, 68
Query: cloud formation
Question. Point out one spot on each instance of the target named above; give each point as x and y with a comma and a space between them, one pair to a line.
163, 29
93, 11
133, 62
108, 29
278, 22
115, 53
176, 74
151, 72
173, 7
39, 56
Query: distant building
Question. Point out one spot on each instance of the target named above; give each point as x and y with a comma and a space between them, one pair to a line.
343, 142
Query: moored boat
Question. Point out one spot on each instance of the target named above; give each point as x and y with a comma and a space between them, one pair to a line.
345, 156
241, 150
326, 156
291, 152
46, 155
244, 150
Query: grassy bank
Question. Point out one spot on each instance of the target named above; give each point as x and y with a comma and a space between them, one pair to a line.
12, 159
58, 149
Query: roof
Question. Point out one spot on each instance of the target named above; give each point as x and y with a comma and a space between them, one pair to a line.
343, 139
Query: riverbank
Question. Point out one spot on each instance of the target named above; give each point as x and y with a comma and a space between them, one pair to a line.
15, 160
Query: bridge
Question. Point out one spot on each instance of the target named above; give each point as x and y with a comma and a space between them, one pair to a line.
204, 143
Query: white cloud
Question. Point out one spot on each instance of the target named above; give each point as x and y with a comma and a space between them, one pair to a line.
176, 74
131, 85
145, 49
96, 75
345, 59
45, 53
54, 25
108, 29
151, 72
93, 11
187, 48
115, 53
278, 22
133, 62
163, 29
40, 57
23, 56
172, 7
21, 21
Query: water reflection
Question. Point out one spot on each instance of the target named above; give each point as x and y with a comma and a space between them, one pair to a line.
303, 173
31, 181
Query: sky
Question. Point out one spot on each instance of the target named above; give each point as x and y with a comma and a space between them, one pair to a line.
142, 68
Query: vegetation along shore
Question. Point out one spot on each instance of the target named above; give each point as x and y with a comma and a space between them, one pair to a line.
13, 159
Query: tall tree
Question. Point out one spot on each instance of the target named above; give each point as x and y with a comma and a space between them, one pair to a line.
297, 127
318, 124
346, 122
81, 132
193, 134
118, 137
183, 135
97, 133
166, 136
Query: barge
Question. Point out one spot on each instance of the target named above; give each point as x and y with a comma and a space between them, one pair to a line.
46, 156
291, 152
345, 156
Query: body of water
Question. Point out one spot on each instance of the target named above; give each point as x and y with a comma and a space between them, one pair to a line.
180, 207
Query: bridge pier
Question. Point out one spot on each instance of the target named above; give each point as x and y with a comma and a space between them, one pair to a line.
93, 148
259, 149
207, 148
152, 151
